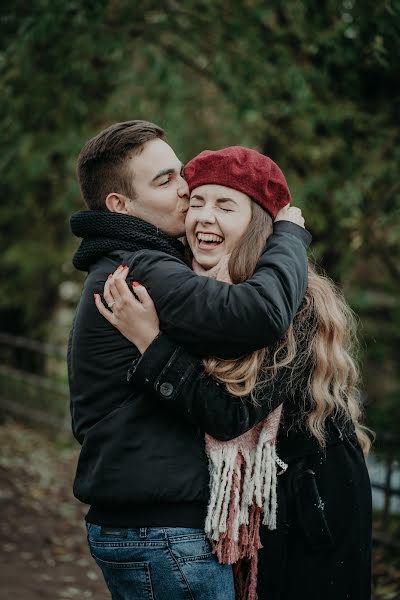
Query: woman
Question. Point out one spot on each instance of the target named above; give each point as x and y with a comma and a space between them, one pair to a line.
318, 540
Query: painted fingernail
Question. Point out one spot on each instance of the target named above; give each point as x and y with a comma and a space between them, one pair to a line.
126, 267
120, 267
94, 296
110, 276
136, 284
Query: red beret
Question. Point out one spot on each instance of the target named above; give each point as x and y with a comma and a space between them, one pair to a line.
242, 169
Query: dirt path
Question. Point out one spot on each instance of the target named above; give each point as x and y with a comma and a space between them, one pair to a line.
43, 551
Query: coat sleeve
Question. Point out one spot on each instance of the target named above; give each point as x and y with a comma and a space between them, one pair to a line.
179, 382
212, 318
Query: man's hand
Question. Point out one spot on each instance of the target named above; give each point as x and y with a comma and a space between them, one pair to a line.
292, 214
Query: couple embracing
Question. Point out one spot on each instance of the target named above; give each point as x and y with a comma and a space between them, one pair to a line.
213, 386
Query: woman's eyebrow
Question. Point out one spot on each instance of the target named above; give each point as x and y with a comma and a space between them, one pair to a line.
219, 200
223, 200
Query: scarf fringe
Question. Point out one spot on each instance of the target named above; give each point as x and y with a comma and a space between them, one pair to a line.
254, 473
242, 489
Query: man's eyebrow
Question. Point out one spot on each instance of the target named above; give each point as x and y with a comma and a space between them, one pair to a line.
166, 172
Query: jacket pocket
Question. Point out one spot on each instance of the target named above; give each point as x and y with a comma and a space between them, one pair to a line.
310, 510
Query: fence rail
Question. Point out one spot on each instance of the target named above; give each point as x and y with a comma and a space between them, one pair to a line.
17, 341
36, 380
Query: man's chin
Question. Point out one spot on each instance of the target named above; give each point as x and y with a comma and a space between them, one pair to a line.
175, 233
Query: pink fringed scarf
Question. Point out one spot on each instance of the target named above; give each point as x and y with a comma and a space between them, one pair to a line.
243, 483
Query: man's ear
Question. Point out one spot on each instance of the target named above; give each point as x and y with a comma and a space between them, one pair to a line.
117, 203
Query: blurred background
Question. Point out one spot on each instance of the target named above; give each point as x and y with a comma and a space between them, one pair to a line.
313, 84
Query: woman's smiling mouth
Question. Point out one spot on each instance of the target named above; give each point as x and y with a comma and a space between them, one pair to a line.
208, 241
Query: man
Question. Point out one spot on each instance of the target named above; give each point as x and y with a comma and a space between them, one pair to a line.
142, 470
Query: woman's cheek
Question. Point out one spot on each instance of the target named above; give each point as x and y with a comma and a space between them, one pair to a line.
189, 223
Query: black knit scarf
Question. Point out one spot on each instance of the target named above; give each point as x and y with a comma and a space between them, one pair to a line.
104, 232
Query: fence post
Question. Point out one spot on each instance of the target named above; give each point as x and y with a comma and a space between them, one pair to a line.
387, 492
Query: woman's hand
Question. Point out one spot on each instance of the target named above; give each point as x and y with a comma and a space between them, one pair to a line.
292, 214
136, 319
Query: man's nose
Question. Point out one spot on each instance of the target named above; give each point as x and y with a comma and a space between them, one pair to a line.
183, 189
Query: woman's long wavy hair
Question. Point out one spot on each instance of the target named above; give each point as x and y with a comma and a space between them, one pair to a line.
317, 349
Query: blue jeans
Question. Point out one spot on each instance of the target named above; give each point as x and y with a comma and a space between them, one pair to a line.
154, 563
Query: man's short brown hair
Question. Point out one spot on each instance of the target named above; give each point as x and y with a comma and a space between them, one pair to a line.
102, 162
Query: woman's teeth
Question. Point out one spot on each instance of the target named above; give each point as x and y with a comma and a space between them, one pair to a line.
209, 237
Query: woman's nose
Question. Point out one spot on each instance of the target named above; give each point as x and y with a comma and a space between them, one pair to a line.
206, 215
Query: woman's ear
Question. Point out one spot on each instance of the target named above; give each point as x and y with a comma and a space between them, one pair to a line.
117, 203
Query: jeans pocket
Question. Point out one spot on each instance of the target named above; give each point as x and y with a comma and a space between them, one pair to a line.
206, 578
125, 576
191, 548
310, 511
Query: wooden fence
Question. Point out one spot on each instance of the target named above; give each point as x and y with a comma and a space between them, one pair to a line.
389, 458
39, 399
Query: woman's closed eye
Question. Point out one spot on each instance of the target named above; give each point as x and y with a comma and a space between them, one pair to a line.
196, 202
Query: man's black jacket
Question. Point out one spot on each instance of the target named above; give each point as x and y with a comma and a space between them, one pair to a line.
140, 464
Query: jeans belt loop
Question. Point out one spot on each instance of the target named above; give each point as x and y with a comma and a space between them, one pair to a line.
143, 533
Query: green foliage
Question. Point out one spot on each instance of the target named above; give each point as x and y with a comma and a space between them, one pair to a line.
315, 85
